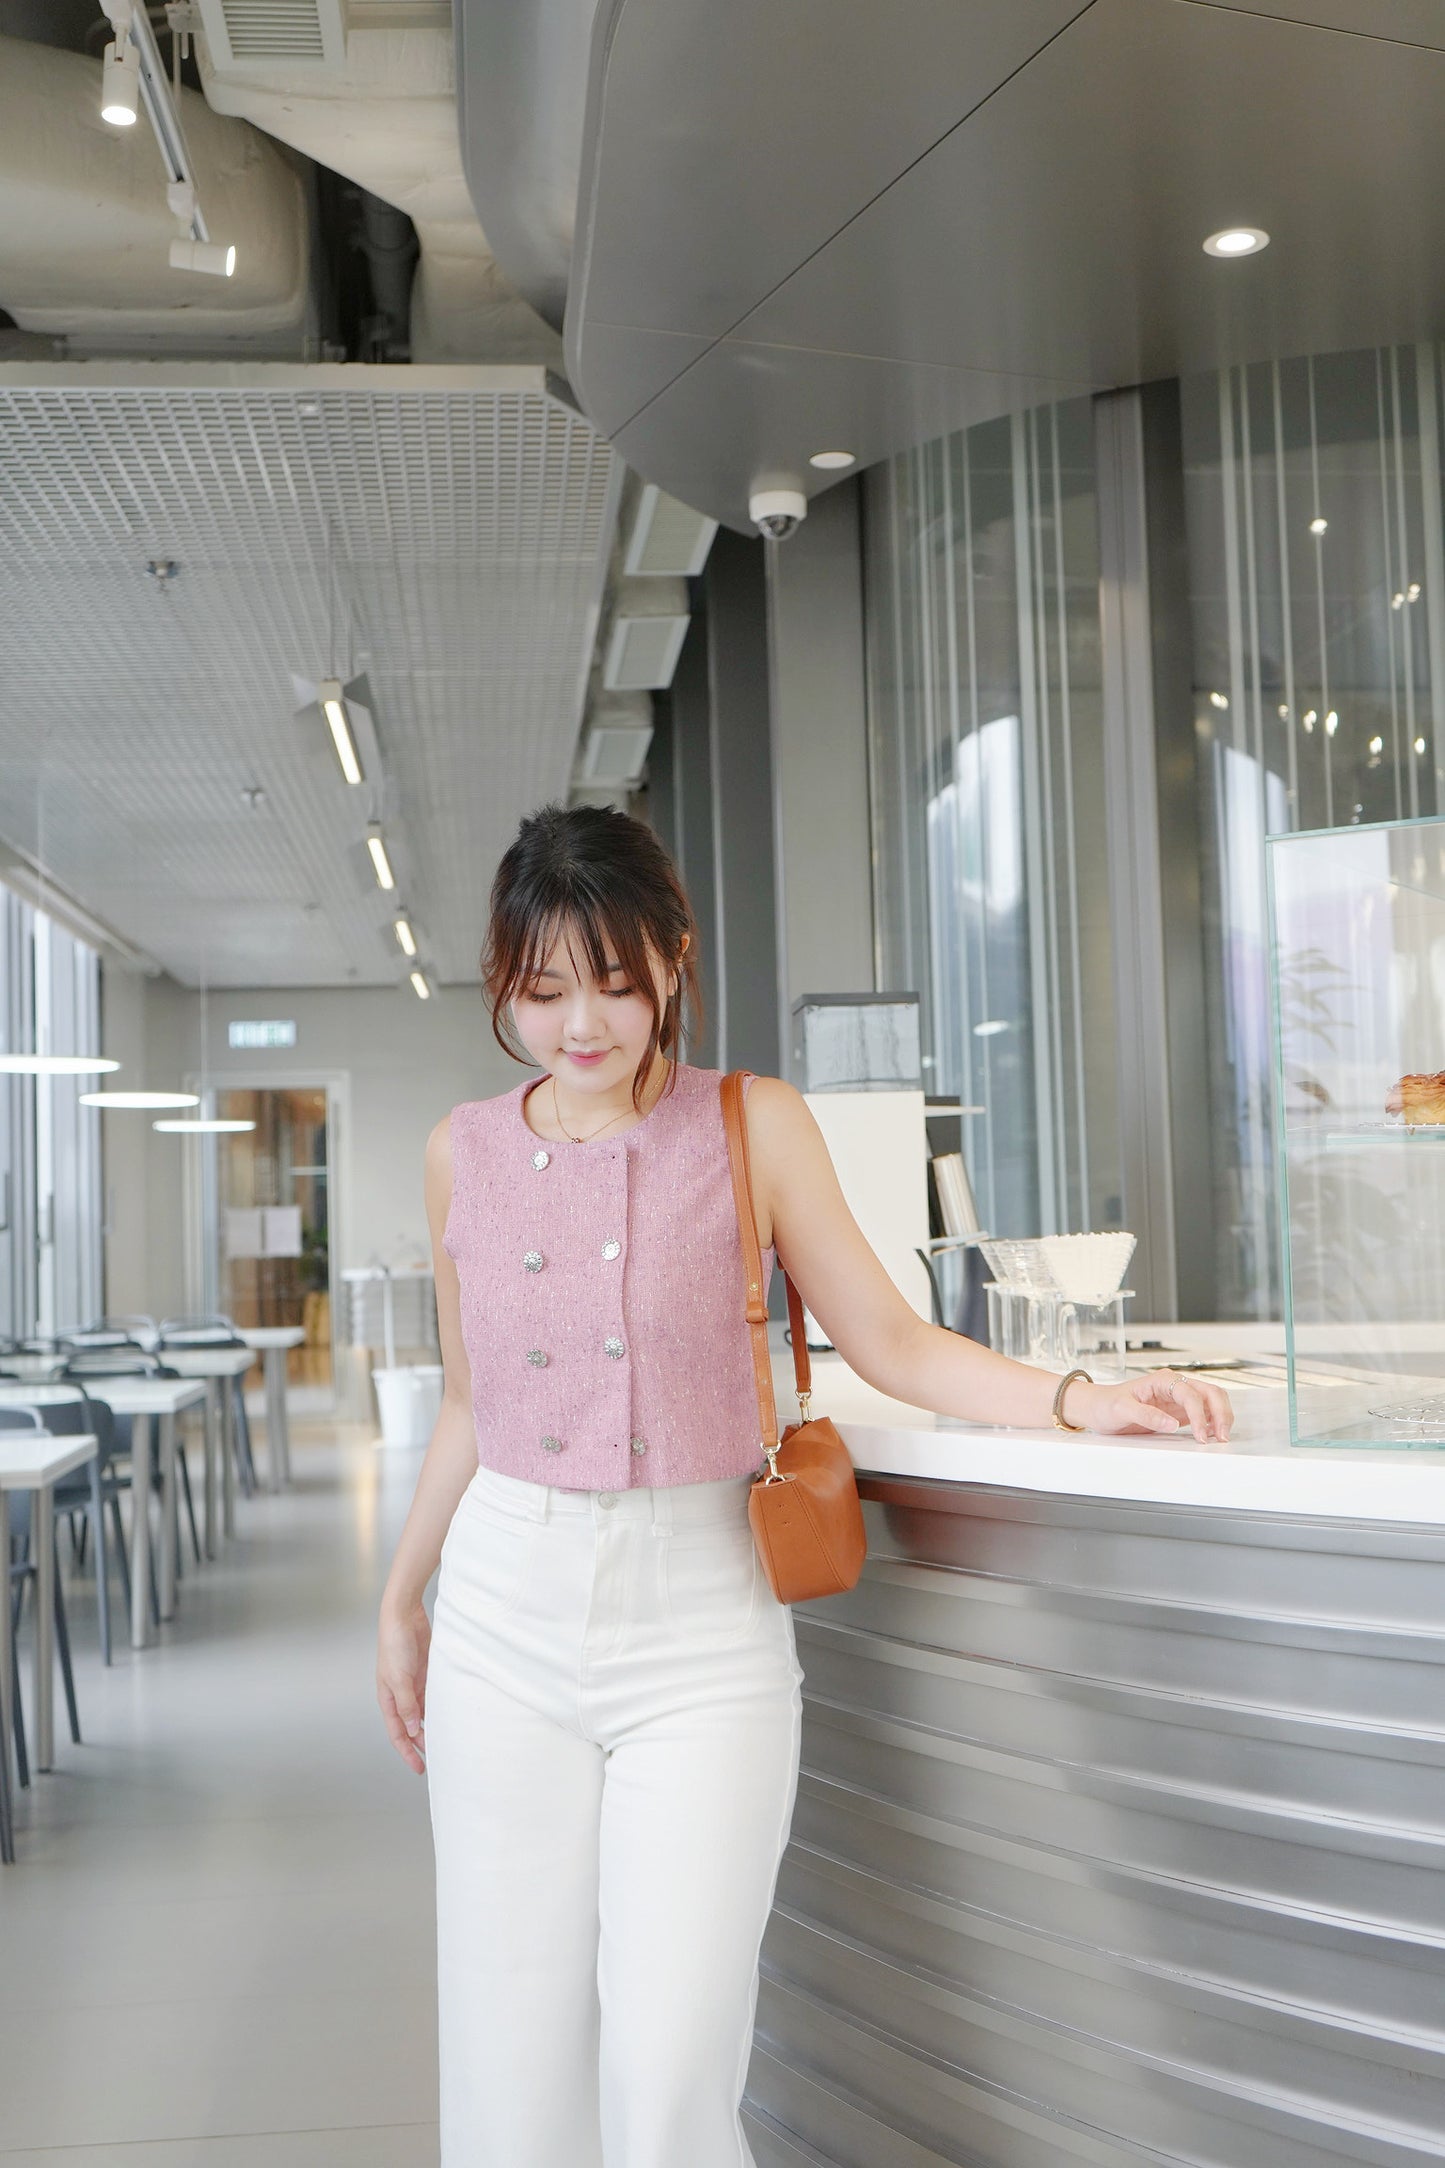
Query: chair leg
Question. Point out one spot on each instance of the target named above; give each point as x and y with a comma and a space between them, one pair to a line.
117, 1527
190, 1503
62, 1644
244, 1462
22, 1758
7, 1809
102, 1562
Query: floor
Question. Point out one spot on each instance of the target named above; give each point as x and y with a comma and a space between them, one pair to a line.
216, 1943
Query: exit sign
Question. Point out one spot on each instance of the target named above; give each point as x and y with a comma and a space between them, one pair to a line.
272, 1031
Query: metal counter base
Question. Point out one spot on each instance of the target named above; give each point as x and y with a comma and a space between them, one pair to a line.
1119, 1840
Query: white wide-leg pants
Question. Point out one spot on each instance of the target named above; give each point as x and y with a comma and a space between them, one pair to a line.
613, 1714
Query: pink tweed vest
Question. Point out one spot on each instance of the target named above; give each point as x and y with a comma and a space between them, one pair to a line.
602, 1295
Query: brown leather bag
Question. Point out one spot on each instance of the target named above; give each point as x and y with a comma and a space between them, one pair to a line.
806, 1516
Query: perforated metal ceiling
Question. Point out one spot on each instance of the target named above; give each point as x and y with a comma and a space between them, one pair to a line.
446, 530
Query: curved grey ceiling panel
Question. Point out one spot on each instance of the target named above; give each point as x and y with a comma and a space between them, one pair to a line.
521, 95
836, 226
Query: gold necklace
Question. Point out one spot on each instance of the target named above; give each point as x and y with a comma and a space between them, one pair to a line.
557, 1117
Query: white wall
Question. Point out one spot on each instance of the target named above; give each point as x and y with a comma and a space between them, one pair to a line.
403, 1064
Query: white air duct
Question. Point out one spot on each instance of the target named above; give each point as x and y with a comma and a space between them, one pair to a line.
386, 117
615, 743
667, 536
85, 242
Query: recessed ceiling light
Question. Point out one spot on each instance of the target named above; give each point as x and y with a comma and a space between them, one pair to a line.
140, 1099
1419, 745
833, 459
990, 1028
1332, 722
1319, 524
1218, 700
1237, 241
1377, 745
1412, 592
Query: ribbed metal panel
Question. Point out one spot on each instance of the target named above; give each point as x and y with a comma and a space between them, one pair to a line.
1119, 1839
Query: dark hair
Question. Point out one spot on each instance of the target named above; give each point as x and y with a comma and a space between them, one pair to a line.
604, 880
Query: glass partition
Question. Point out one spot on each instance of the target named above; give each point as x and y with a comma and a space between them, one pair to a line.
985, 732
1359, 987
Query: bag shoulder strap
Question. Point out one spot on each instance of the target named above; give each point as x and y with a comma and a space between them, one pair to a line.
756, 1307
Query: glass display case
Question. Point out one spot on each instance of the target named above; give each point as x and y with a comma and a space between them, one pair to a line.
1358, 953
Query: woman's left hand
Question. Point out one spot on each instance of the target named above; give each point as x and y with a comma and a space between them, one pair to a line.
1159, 1402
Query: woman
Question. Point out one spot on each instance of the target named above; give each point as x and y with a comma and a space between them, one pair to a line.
609, 1721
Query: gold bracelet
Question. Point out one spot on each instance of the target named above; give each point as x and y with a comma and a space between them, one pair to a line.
1061, 1421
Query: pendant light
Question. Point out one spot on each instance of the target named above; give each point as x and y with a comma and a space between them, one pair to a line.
119, 1100
201, 1125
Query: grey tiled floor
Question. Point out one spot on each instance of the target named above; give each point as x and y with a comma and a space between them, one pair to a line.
216, 1944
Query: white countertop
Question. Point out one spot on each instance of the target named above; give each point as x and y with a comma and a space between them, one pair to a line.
1257, 1470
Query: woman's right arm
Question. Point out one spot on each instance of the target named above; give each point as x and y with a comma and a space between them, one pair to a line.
404, 1635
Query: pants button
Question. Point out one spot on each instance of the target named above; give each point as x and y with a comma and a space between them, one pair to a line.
605, 1498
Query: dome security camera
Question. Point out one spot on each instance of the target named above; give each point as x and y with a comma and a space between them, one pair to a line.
777, 513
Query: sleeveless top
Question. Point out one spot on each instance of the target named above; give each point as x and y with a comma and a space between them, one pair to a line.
602, 1295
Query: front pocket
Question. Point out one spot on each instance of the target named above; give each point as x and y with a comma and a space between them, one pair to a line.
488, 1554
711, 1583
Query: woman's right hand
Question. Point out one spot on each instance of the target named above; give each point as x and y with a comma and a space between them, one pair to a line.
402, 1643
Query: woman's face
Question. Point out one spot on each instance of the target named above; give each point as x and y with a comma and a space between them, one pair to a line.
592, 1033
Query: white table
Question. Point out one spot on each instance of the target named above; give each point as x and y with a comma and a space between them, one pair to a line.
35, 1462
218, 1366
145, 1401
274, 1342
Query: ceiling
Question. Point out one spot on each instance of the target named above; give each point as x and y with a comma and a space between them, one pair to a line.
832, 225
446, 529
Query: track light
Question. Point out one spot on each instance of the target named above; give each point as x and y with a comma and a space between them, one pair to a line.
405, 938
385, 878
120, 82
219, 258
420, 987
333, 707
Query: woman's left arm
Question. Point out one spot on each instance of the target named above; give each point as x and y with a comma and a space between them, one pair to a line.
799, 1201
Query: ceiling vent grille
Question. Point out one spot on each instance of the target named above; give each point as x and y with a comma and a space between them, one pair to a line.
647, 635
667, 536
248, 33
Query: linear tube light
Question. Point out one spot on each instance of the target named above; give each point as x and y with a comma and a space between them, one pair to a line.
405, 938
381, 864
333, 707
419, 986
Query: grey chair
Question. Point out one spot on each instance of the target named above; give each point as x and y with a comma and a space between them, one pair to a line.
85, 1497
23, 1573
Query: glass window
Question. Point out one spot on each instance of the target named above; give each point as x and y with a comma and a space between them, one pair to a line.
985, 731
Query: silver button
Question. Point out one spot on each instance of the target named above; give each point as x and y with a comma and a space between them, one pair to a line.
537, 1358
551, 1445
533, 1260
613, 1346
541, 1159
639, 1445
605, 1498
611, 1248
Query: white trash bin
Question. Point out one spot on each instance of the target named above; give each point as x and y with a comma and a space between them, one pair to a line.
409, 1399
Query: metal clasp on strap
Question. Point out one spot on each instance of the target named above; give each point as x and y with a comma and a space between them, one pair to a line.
805, 1407
770, 1453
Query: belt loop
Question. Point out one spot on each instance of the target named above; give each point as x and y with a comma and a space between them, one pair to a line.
544, 1503
662, 1503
